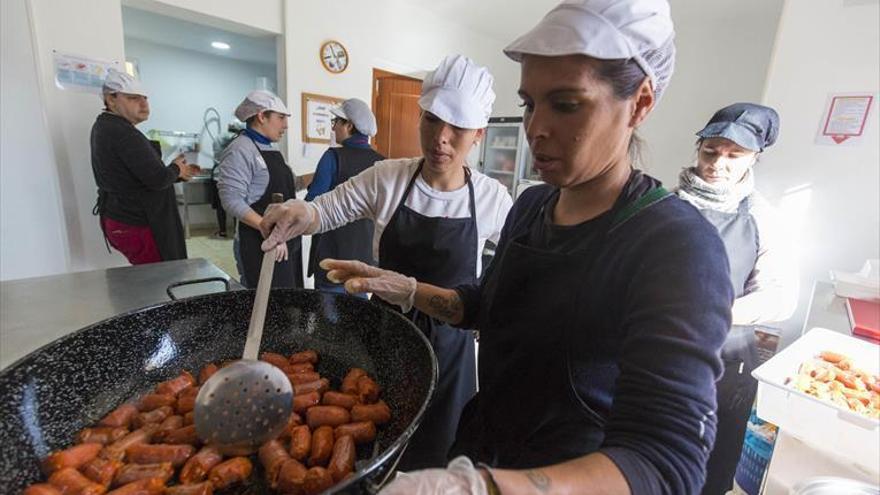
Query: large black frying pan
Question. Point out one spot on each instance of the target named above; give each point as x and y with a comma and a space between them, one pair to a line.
54, 392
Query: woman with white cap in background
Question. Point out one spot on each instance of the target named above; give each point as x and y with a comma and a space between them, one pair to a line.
136, 201
353, 125
251, 171
432, 216
603, 312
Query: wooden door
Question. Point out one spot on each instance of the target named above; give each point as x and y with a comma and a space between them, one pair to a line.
396, 104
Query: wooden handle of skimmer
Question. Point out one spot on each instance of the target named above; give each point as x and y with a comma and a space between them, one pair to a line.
261, 300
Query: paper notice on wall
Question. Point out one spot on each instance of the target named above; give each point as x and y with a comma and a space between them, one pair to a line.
845, 119
76, 73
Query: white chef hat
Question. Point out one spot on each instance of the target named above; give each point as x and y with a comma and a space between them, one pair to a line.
121, 82
358, 113
606, 29
459, 92
258, 101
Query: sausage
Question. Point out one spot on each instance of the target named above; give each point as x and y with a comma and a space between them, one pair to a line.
154, 416
116, 450
291, 476
69, 480
186, 401
342, 460
378, 413
332, 398
272, 456
176, 385
73, 457
303, 388
130, 473
155, 401
121, 416
317, 480
170, 423
198, 466
150, 486
300, 442
102, 434
208, 370
327, 415
189, 418
349, 383
361, 432
274, 359
304, 377
368, 390
42, 489
205, 488
183, 435
292, 369
322, 446
230, 472
101, 470
301, 402
152, 454
308, 356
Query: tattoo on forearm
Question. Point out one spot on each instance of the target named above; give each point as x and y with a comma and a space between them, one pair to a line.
445, 307
539, 479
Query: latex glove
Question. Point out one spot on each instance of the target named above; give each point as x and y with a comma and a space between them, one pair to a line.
460, 477
281, 252
360, 277
282, 222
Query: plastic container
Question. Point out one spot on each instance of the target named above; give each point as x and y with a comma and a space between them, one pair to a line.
834, 486
827, 427
864, 284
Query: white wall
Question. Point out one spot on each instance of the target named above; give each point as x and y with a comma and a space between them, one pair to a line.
33, 233
825, 46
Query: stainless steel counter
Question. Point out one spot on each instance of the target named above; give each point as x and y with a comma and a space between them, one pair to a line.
36, 311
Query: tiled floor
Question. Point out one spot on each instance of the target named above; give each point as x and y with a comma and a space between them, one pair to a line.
217, 250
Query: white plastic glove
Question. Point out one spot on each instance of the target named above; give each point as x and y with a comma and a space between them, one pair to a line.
282, 222
459, 478
360, 277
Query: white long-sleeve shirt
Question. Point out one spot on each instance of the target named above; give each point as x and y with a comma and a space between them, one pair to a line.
376, 192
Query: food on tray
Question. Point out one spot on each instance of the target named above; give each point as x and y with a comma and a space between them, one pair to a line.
149, 445
832, 377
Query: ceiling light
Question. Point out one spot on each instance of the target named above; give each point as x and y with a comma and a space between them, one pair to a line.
220, 45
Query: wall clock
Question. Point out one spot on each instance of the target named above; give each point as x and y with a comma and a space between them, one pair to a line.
334, 56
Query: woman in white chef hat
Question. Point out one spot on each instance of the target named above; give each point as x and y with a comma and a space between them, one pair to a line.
432, 216
603, 312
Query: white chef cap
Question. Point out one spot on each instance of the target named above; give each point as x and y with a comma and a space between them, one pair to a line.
359, 114
121, 82
640, 30
258, 101
459, 92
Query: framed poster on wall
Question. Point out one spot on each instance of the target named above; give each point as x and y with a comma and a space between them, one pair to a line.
316, 117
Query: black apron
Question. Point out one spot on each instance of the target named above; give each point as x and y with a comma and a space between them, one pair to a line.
737, 388
353, 241
439, 251
528, 412
287, 273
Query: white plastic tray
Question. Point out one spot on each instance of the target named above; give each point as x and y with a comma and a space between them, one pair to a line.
843, 433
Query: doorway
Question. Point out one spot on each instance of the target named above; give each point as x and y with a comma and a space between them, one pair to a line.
396, 105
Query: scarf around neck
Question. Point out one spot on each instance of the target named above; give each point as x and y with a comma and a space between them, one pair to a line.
704, 195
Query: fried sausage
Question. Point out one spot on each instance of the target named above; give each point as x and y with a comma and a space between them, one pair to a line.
69, 480
303, 388
185, 404
176, 385
205, 488
130, 473
291, 476
272, 456
230, 472
361, 431
42, 489
189, 418
308, 356
155, 401
292, 369
304, 377
198, 466
300, 442
170, 423
73, 457
101, 470
322, 446
327, 415
183, 435
154, 416
121, 416
378, 413
342, 460
207, 371
349, 383
116, 450
368, 390
152, 454
334, 398
102, 434
151, 486
274, 359
301, 402
317, 480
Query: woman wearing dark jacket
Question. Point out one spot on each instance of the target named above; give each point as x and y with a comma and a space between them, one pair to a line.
136, 201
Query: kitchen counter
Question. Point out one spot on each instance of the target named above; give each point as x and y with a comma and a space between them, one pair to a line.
39, 310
